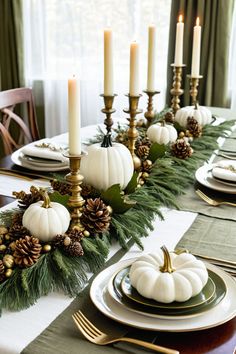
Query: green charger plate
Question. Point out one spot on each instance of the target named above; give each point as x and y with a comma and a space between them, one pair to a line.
219, 294
205, 295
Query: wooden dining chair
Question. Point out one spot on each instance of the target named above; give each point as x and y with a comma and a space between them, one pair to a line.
17, 130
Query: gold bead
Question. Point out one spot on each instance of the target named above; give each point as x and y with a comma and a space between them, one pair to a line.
3, 230
148, 162
7, 237
137, 162
139, 186
8, 260
109, 208
141, 182
47, 248
187, 133
145, 175
86, 233
67, 241
8, 273
181, 135
3, 248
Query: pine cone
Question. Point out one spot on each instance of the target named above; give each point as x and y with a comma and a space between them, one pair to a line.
61, 187
75, 249
169, 117
96, 217
88, 191
194, 127
143, 151
17, 218
181, 149
58, 241
2, 271
75, 235
27, 251
17, 231
146, 166
26, 199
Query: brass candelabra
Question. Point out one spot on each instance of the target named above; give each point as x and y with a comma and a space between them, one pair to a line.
194, 82
108, 110
132, 131
176, 90
149, 114
76, 201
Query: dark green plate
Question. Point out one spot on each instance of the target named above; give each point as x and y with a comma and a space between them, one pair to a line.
205, 295
212, 302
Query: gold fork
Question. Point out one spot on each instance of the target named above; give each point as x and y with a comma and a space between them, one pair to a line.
211, 201
94, 335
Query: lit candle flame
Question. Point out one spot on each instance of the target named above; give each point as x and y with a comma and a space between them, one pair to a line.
197, 21
180, 18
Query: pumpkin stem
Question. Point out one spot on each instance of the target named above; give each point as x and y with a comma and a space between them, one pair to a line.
196, 105
167, 266
163, 123
46, 200
106, 141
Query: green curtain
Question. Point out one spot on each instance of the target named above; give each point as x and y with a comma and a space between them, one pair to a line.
216, 20
11, 44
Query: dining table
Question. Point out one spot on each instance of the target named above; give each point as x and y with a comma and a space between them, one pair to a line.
47, 326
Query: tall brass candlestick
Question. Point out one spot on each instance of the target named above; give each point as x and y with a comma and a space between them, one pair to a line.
108, 110
194, 82
132, 131
76, 201
149, 114
176, 90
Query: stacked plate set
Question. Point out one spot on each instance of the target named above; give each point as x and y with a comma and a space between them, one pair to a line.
113, 295
220, 176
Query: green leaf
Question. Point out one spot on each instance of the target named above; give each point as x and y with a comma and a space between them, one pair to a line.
119, 203
59, 198
156, 151
178, 127
132, 185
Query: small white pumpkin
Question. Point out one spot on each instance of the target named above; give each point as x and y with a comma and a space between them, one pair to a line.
168, 277
202, 115
46, 219
107, 164
162, 133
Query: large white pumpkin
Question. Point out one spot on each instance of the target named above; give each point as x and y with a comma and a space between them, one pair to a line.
46, 219
162, 133
202, 115
104, 166
168, 277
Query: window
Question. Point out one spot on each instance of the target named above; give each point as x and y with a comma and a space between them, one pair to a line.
63, 37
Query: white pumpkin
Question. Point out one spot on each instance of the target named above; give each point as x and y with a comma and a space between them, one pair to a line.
104, 166
46, 219
162, 133
202, 115
168, 277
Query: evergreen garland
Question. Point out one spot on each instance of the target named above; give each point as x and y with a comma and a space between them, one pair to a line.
56, 270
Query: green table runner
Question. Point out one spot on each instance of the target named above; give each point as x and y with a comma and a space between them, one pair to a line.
191, 202
211, 237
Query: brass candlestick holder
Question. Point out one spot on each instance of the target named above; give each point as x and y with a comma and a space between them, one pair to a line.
176, 90
132, 131
76, 201
108, 110
194, 82
149, 114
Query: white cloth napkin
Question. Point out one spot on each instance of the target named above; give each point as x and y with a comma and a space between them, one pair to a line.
225, 169
48, 149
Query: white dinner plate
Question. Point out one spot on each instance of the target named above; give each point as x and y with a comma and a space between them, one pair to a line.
204, 176
18, 158
220, 314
